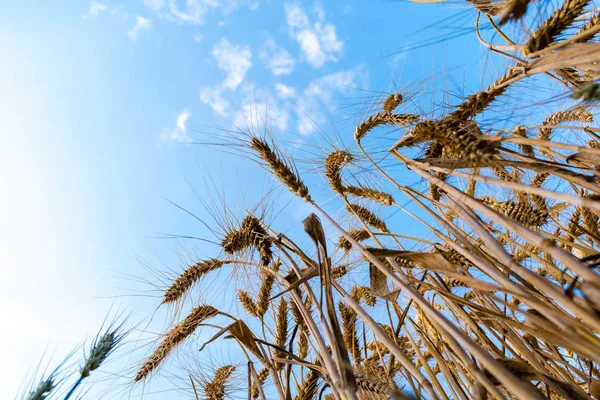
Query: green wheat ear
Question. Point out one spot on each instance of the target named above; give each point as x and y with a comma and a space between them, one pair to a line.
42, 391
102, 347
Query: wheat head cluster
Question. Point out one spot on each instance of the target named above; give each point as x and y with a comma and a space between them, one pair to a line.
500, 299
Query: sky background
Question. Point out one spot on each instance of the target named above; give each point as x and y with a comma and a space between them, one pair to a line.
100, 106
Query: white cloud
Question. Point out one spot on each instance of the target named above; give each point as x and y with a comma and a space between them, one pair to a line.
234, 60
194, 10
213, 97
232, 5
179, 132
182, 119
95, 9
141, 24
295, 16
154, 4
320, 94
318, 41
257, 108
278, 60
284, 91
198, 37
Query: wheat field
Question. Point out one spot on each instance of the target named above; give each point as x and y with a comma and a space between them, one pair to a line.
500, 299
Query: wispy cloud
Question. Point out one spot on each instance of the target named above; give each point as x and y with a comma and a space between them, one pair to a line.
154, 4
194, 10
141, 24
318, 40
320, 94
213, 97
258, 107
235, 60
96, 8
284, 91
179, 132
277, 59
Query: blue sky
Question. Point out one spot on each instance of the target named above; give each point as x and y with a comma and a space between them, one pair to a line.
100, 103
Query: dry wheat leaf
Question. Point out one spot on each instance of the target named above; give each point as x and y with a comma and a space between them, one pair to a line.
244, 335
429, 261
584, 157
580, 55
379, 284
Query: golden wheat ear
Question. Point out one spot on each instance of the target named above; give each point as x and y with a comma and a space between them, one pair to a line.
282, 169
262, 377
333, 168
359, 235
281, 331
190, 276
215, 389
174, 338
560, 20
367, 216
